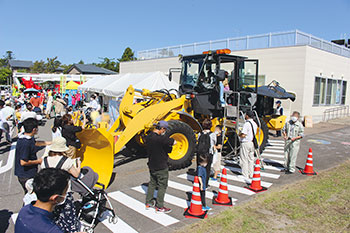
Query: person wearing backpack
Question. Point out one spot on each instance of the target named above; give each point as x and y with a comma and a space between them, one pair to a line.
248, 145
206, 145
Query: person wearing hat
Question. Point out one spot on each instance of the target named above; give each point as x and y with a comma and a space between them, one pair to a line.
279, 112
57, 158
247, 146
158, 146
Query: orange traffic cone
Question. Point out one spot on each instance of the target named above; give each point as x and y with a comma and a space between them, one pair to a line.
223, 198
195, 210
309, 166
255, 186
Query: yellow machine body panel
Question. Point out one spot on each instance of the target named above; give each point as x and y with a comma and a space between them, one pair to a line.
145, 120
275, 122
99, 145
97, 152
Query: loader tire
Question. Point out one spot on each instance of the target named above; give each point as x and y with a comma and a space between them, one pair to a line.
182, 153
264, 135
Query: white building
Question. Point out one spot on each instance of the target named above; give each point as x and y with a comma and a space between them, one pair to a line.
316, 70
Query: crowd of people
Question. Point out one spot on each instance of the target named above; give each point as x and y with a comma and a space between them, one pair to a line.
47, 181
42, 178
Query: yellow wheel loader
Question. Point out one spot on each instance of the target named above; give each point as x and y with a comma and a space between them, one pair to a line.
200, 96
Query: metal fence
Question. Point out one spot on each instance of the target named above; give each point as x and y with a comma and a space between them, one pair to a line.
337, 112
269, 40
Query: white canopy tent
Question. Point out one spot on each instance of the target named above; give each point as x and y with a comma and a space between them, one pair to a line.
98, 83
40, 78
152, 81
116, 85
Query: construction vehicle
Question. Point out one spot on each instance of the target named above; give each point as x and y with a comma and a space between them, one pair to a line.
199, 97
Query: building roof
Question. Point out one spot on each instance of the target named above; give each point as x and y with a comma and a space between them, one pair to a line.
20, 64
59, 69
90, 69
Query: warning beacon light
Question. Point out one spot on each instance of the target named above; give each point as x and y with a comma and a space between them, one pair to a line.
219, 51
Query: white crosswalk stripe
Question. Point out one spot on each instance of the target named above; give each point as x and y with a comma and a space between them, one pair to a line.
276, 141
273, 161
120, 226
139, 207
279, 144
186, 188
272, 155
216, 184
273, 151
238, 178
275, 146
273, 168
167, 198
264, 174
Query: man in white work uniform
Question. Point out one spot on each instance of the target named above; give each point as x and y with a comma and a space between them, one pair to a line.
293, 132
247, 146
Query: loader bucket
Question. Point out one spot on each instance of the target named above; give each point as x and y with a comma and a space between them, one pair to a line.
97, 152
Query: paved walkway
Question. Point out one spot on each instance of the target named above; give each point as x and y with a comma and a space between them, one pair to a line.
127, 193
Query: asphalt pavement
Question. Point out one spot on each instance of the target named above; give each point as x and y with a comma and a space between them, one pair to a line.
330, 144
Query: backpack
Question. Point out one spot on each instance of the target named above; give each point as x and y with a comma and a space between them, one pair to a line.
203, 144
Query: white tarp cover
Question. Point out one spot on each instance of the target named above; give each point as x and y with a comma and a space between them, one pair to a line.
103, 83
98, 83
152, 81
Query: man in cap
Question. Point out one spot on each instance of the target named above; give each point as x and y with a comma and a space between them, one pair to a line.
293, 132
279, 112
158, 146
247, 146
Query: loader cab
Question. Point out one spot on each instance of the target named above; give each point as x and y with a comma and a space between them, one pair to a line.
201, 75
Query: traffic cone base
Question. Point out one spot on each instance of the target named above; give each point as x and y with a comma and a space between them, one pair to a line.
262, 189
307, 173
189, 215
215, 202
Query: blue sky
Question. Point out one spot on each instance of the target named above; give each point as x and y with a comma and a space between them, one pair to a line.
85, 29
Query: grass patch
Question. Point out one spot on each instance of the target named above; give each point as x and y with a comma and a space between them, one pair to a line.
318, 204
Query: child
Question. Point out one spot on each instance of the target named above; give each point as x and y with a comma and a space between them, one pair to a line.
202, 176
217, 155
57, 128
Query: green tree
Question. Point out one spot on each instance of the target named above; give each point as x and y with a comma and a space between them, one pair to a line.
9, 56
81, 62
128, 55
3, 62
52, 64
4, 74
66, 68
38, 67
108, 63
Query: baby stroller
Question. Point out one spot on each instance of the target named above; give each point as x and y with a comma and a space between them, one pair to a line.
94, 205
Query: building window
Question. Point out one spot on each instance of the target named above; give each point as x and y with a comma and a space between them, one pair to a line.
317, 90
343, 93
329, 91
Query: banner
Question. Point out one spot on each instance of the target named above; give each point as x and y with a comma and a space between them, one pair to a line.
63, 83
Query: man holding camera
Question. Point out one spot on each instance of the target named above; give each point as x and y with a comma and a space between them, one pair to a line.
158, 146
292, 132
